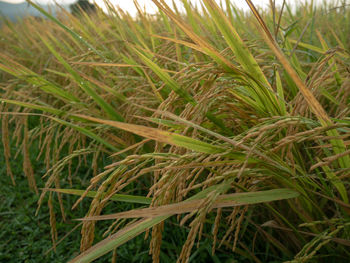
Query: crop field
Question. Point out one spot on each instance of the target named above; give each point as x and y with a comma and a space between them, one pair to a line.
197, 134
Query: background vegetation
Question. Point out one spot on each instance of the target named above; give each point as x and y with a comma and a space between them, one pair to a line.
222, 135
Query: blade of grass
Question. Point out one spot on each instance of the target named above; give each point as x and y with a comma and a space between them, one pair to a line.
116, 197
34, 106
207, 48
67, 29
117, 239
160, 135
229, 200
129, 232
110, 111
88, 133
21, 72
314, 105
165, 77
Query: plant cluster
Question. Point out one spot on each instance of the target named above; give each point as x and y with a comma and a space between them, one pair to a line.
235, 123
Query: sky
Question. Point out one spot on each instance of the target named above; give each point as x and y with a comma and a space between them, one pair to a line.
150, 7
128, 5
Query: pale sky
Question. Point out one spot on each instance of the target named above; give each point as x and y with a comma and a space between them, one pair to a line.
150, 7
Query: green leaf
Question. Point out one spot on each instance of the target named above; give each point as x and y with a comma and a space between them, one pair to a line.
67, 29
116, 197
84, 84
129, 232
280, 93
165, 77
160, 135
88, 133
34, 106
117, 239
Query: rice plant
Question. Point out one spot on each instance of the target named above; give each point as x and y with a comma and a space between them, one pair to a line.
235, 124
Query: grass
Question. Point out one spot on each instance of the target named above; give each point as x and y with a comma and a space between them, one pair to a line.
26, 237
230, 127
